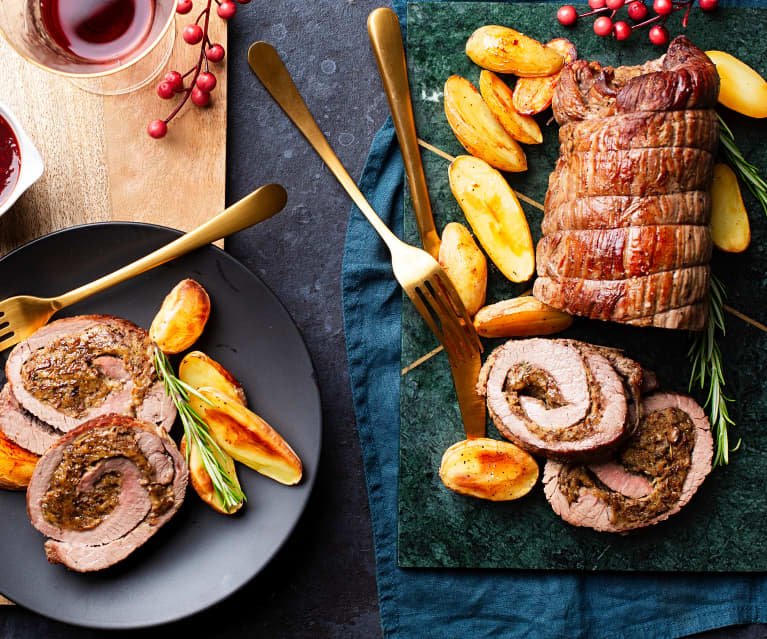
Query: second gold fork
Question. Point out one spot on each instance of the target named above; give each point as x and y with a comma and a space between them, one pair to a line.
419, 274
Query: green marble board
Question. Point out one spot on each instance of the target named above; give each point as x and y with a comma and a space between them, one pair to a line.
724, 528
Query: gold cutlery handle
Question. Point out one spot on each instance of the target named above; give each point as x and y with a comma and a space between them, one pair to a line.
269, 68
260, 205
386, 38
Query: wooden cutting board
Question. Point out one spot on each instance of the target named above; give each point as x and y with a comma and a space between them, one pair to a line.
101, 165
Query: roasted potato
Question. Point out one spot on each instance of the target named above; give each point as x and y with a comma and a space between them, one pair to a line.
505, 50
465, 265
477, 129
741, 88
495, 215
488, 469
498, 98
16, 465
247, 437
200, 479
730, 229
533, 95
198, 370
181, 318
520, 317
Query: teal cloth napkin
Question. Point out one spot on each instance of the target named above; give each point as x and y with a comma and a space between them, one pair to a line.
489, 603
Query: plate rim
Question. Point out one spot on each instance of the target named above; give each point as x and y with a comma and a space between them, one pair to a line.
317, 397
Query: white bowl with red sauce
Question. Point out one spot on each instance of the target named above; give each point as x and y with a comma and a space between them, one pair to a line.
20, 162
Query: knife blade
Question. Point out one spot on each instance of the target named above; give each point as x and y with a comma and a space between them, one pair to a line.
472, 405
386, 38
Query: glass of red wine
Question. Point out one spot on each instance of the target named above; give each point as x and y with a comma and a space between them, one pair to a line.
103, 46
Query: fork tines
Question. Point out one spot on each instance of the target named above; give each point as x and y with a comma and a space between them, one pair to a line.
438, 303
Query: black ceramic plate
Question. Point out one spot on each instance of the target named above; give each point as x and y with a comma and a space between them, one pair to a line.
200, 556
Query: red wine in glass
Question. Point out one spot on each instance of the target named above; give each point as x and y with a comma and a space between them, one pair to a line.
98, 30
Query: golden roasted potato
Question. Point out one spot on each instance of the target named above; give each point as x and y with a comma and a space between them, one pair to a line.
499, 100
200, 479
730, 229
520, 317
181, 318
16, 465
477, 129
741, 88
488, 469
198, 370
533, 95
465, 265
495, 215
247, 437
505, 50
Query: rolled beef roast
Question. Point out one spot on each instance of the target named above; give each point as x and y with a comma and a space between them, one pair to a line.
75, 369
626, 235
656, 473
563, 399
103, 489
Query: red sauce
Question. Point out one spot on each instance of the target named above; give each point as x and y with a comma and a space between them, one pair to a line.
98, 30
10, 160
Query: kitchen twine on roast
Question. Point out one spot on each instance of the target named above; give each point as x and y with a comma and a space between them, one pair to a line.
538, 205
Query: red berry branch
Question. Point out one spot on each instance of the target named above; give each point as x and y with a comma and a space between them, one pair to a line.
201, 82
606, 10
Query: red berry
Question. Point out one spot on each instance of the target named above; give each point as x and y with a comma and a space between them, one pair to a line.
596, 4
206, 82
708, 5
199, 97
157, 129
192, 33
637, 10
615, 4
658, 35
174, 79
243, 1
662, 7
165, 90
622, 30
226, 10
567, 15
215, 53
183, 6
603, 26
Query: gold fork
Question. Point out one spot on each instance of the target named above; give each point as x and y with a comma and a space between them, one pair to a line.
419, 274
22, 315
386, 39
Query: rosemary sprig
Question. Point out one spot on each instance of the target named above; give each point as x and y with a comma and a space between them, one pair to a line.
706, 359
197, 433
746, 171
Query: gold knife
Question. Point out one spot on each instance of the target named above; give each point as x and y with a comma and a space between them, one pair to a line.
386, 38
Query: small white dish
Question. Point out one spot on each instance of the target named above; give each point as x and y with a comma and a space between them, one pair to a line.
30, 161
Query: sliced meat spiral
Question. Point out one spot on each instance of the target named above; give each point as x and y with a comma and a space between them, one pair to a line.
557, 398
76, 369
103, 489
22, 427
654, 475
